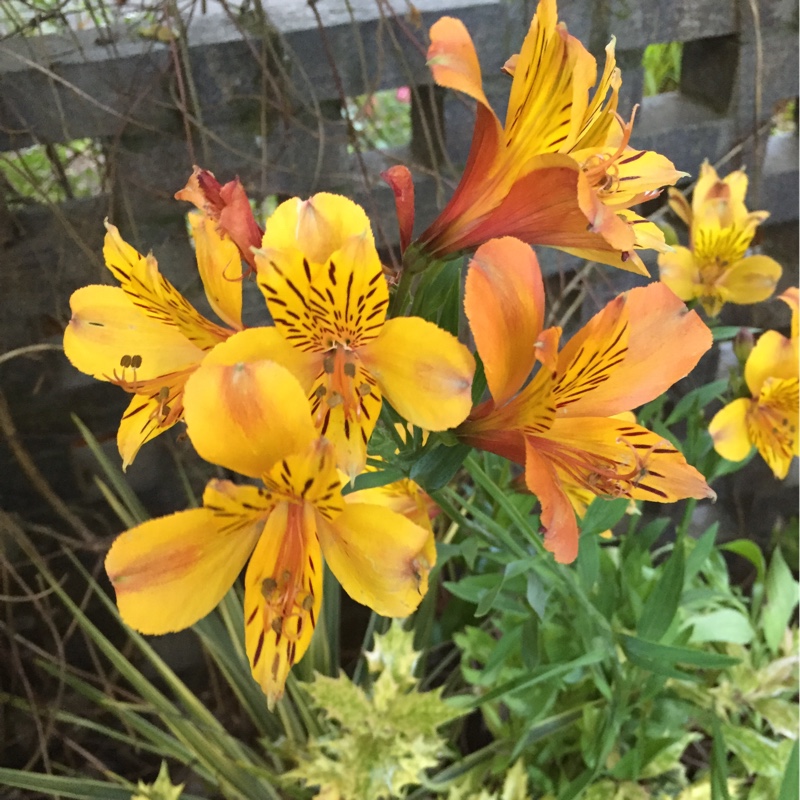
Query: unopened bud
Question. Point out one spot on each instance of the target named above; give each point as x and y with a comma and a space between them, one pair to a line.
743, 344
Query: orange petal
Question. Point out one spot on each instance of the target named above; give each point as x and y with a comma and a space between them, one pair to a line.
388, 573
664, 343
170, 572
247, 416
423, 371
618, 459
557, 515
399, 179
107, 331
453, 60
504, 303
282, 595
220, 267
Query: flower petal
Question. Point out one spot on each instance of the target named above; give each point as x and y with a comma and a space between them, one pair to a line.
772, 423
247, 416
170, 572
268, 344
558, 520
750, 280
150, 414
728, 429
282, 595
151, 292
453, 60
774, 356
792, 299
504, 303
107, 331
220, 265
664, 343
423, 371
680, 272
380, 558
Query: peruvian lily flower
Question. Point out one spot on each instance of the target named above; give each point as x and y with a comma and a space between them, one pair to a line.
170, 572
325, 289
145, 336
228, 207
560, 172
560, 424
768, 419
715, 269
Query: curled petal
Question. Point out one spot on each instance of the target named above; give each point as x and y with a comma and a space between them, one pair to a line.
453, 60
504, 303
423, 371
170, 572
107, 334
728, 429
247, 416
792, 299
380, 558
220, 267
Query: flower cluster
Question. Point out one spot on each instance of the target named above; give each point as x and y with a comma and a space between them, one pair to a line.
292, 405
715, 269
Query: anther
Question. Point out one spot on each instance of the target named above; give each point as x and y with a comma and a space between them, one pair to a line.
364, 389
335, 400
350, 369
125, 362
136, 362
328, 364
277, 624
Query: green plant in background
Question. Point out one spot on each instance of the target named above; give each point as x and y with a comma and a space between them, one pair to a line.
662, 68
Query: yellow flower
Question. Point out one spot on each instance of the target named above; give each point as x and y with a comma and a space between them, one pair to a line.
560, 172
145, 336
168, 573
563, 424
768, 419
715, 269
325, 289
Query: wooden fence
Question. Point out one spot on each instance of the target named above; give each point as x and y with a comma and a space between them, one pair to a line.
260, 93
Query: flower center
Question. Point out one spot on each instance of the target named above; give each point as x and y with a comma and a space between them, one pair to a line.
602, 171
344, 383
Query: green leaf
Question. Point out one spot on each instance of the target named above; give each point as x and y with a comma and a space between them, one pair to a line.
662, 659
723, 625
662, 603
701, 550
602, 515
371, 480
748, 549
436, 467
695, 400
719, 764
759, 754
780, 602
791, 777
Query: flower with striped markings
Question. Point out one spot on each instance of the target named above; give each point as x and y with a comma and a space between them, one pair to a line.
561, 422
170, 572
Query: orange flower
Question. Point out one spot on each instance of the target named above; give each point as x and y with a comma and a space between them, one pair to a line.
560, 171
228, 206
145, 336
560, 423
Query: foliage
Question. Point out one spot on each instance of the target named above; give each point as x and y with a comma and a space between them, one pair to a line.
662, 67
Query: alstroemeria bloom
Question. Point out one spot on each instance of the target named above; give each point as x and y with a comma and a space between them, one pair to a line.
559, 423
560, 171
145, 336
228, 206
714, 268
168, 573
768, 419
325, 289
